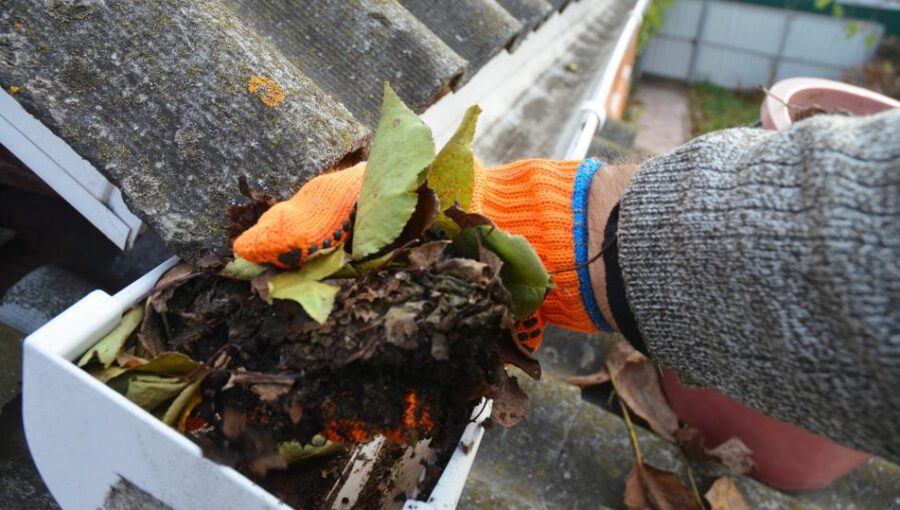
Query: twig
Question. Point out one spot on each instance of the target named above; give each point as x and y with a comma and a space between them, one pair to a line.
782, 101
394, 254
631, 432
690, 473
169, 284
591, 260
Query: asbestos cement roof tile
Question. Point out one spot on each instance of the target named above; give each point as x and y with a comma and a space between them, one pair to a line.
173, 101
350, 48
475, 29
531, 13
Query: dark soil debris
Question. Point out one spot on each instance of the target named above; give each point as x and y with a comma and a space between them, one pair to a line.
406, 353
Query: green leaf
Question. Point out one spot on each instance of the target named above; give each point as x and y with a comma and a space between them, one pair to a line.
173, 413
368, 265
837, 10
871, 38
109, 347
316, 298
523, 274
150, 391
400, 155
242, 269
166, 363
293, 452
169, 363
822, 4
452, 175
304, 287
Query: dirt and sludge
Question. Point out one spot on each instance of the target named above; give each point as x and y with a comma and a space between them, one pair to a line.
346, 379
406, 353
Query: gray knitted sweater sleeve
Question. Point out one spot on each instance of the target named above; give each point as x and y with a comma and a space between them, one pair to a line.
767, 265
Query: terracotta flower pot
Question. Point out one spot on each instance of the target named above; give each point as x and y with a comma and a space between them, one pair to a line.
815, 92
786, 457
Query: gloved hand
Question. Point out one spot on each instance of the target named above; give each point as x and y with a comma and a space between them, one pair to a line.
544, 201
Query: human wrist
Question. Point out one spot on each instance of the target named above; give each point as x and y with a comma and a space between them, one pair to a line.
607, 188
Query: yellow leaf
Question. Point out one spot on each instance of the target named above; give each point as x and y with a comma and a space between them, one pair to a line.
109, 347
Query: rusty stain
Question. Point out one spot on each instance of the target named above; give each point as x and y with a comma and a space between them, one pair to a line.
269, 92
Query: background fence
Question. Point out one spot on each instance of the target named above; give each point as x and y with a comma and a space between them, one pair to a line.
742, 45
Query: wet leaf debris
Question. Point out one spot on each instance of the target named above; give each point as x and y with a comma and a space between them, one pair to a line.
396, 328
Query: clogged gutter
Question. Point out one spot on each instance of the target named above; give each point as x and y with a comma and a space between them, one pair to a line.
397, 332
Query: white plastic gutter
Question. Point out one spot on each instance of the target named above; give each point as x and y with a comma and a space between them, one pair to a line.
593, 110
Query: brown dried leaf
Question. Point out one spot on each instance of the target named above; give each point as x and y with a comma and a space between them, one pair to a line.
583, 381
725, 495
691, 442
269, 392
466, 219
262, 464
246, 215
734, 454
151, 333
490, 258
295, 412
637, 384
423, 217
652, 488
171, 281
424, 256
234, 423
513, 352
252, 378
260, 285
400, 327
511, 404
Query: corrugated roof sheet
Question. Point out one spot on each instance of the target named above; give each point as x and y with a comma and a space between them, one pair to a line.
476, 29
531, 13
173, 100
349, 48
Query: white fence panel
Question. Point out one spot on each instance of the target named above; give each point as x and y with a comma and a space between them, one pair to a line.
669, 60
683, 19
739, 45
823, 40
733, 69
749, 27
792, 69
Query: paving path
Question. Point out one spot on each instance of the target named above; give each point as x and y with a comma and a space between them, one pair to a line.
664, 122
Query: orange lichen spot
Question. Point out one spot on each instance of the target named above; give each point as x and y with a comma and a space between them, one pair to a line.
269, 92
14, 89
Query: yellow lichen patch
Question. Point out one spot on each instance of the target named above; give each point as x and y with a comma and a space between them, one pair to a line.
269, 92
14, 89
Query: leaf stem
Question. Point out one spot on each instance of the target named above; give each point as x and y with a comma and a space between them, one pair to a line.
631, 432
690, 473
591, 260
169, 284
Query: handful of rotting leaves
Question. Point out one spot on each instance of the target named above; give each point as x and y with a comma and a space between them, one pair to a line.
399, 331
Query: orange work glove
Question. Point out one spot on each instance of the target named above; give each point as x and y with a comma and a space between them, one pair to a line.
543, 201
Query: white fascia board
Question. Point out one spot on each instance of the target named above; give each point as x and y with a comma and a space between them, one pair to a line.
75, 179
